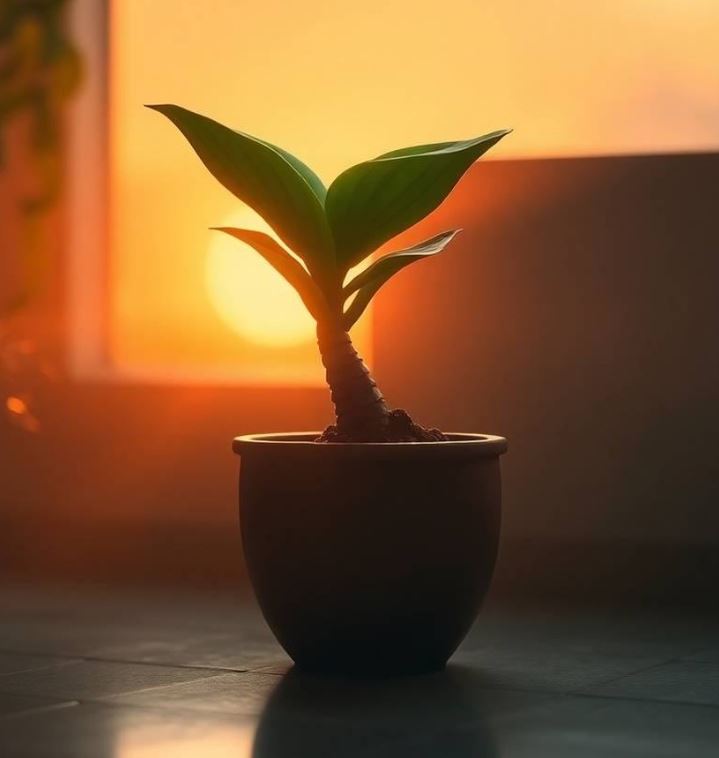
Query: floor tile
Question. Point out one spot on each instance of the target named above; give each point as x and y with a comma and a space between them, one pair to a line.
240, 693
679, 681
707, 655
613, 633
279, 666
589, 727
92, 679
535, 667
443, 714
509, 725
84, 607
95, 731
11, 663
154, 679
211, 649
15, 704
65, 637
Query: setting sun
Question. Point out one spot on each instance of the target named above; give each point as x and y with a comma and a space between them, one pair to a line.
248, 295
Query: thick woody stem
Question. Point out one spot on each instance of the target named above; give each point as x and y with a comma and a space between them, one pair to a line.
362, 414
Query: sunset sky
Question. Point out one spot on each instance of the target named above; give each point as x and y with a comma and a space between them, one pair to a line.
338, 82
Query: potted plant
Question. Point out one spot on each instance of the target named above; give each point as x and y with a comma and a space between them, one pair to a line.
370, 546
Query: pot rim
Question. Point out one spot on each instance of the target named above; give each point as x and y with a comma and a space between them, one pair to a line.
459, 444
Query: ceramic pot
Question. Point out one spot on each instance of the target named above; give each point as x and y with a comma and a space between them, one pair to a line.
370, 558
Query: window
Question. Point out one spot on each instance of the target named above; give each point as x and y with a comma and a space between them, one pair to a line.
334, 83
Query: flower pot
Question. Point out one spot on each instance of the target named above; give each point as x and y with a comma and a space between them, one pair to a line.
370, 558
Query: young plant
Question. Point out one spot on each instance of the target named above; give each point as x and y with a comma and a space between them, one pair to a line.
330, 230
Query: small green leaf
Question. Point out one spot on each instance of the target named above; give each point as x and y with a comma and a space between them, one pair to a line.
368, 282
374, 201
285, 192
284, 264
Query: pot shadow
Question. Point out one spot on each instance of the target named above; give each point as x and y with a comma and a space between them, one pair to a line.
418, 716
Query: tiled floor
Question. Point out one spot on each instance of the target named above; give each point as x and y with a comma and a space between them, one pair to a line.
126, 676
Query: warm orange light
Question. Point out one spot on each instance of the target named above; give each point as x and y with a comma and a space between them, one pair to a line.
16, 405
182, 301
149, 740
21, 414
249, 295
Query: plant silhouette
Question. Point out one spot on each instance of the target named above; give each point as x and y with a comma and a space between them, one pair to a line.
330, 230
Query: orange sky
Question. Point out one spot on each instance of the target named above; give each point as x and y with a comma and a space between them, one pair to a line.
336, 82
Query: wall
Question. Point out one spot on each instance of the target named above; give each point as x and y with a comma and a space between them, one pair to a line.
576, 314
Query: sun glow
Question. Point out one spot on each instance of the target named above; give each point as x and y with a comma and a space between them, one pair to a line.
248, 294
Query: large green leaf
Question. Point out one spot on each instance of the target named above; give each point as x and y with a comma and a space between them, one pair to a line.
316, 184
284, 264
373, 201
372, 278
285, 192
416, 150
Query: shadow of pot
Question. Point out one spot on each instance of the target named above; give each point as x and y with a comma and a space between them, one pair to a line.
437, 714
370, 559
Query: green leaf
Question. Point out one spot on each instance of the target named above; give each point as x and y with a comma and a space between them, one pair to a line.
416, 150
368, 282
284, 264
374, 201
316, 184
285, 192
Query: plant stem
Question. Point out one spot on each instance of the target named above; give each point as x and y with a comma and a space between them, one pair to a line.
361, 411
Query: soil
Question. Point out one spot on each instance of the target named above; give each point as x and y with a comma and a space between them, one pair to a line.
401, 428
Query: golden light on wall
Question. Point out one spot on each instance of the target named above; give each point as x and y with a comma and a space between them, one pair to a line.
338, 82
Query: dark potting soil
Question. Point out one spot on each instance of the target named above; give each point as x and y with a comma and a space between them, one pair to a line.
400, 428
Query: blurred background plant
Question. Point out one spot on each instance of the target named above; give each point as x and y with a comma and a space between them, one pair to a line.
39, 71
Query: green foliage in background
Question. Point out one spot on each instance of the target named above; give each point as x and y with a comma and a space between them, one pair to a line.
332, 229
39, 70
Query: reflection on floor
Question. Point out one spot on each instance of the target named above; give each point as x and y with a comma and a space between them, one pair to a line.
127, 676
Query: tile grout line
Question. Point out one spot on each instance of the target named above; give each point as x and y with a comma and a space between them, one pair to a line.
629, 699
110, 703
76, 658
60, 664
101, 659
61, 704
613, 679
67, 659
